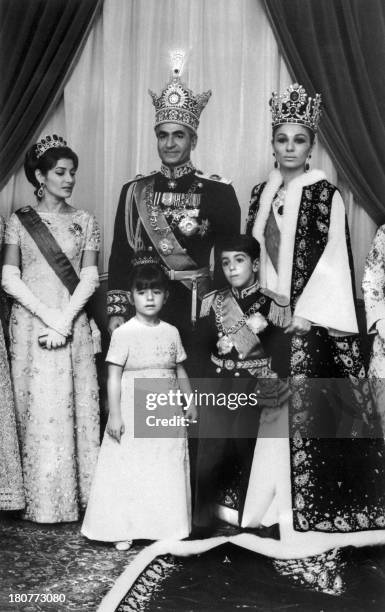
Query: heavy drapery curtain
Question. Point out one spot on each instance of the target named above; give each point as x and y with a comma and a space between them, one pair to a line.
337, 47
107, 115
39, 41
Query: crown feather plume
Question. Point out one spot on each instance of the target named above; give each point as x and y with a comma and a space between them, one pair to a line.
178, 59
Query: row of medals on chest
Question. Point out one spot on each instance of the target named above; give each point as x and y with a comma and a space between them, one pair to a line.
181, 210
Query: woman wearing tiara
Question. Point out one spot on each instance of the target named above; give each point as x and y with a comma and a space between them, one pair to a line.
326, 485
310, 493
11, 481
50, 271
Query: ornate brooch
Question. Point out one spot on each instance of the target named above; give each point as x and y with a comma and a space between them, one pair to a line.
224, 345
76, 230
188, 226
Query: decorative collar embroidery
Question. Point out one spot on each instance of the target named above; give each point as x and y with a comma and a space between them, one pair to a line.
243, 293
175, 173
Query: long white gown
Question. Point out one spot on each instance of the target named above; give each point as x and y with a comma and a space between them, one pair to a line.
141, 488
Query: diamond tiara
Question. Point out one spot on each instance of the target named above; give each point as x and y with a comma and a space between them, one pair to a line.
145, 257
49, 142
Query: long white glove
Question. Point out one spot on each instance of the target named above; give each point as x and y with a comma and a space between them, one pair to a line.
16, 288
89, 282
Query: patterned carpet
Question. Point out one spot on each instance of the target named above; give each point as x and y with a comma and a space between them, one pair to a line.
55, 559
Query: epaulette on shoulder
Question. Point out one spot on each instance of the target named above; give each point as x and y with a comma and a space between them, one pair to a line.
281, 300
280, 311
207, 302
138, 177
213, 177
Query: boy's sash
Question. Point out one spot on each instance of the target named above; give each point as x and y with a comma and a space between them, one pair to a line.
178, 260
231, 313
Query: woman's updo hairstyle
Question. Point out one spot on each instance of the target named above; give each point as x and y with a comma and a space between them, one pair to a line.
147, 272
35, 159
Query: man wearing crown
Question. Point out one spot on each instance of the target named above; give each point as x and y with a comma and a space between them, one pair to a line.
178, 212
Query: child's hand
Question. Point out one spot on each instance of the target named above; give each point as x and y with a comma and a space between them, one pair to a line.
299, 326
269, 415
192, 414
115, 426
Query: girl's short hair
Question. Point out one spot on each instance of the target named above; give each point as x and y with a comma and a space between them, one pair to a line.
46, 162
147, 276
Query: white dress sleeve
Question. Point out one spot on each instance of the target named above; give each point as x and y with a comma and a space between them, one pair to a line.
327, 299
180, 352
373, 282
118, 350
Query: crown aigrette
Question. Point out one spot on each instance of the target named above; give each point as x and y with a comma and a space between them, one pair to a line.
177, 103
49, 142
295, 106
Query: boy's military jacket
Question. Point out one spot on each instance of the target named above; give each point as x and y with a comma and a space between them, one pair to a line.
181, 218
243, 331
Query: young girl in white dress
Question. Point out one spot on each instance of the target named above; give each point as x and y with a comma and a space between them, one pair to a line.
141, 488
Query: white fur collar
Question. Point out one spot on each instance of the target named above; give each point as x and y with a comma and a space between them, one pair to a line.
289, 223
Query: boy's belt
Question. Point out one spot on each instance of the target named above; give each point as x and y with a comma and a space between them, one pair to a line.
197, 289
244, 364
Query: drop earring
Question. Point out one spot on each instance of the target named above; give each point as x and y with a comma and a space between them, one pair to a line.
276, 164
307, 165
40, 191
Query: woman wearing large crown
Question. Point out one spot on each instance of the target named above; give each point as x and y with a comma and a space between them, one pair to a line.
310, 493
325, 485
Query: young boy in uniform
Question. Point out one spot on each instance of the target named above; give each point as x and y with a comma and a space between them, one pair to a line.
242, 325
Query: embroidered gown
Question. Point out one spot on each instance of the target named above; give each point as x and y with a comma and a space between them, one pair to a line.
11, 481
56, 391
326, 490
373, 284
141, 488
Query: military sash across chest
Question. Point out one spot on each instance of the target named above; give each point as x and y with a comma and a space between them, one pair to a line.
179, 263
231, 321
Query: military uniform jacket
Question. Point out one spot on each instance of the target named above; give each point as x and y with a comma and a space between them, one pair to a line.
245, 345
200, 210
